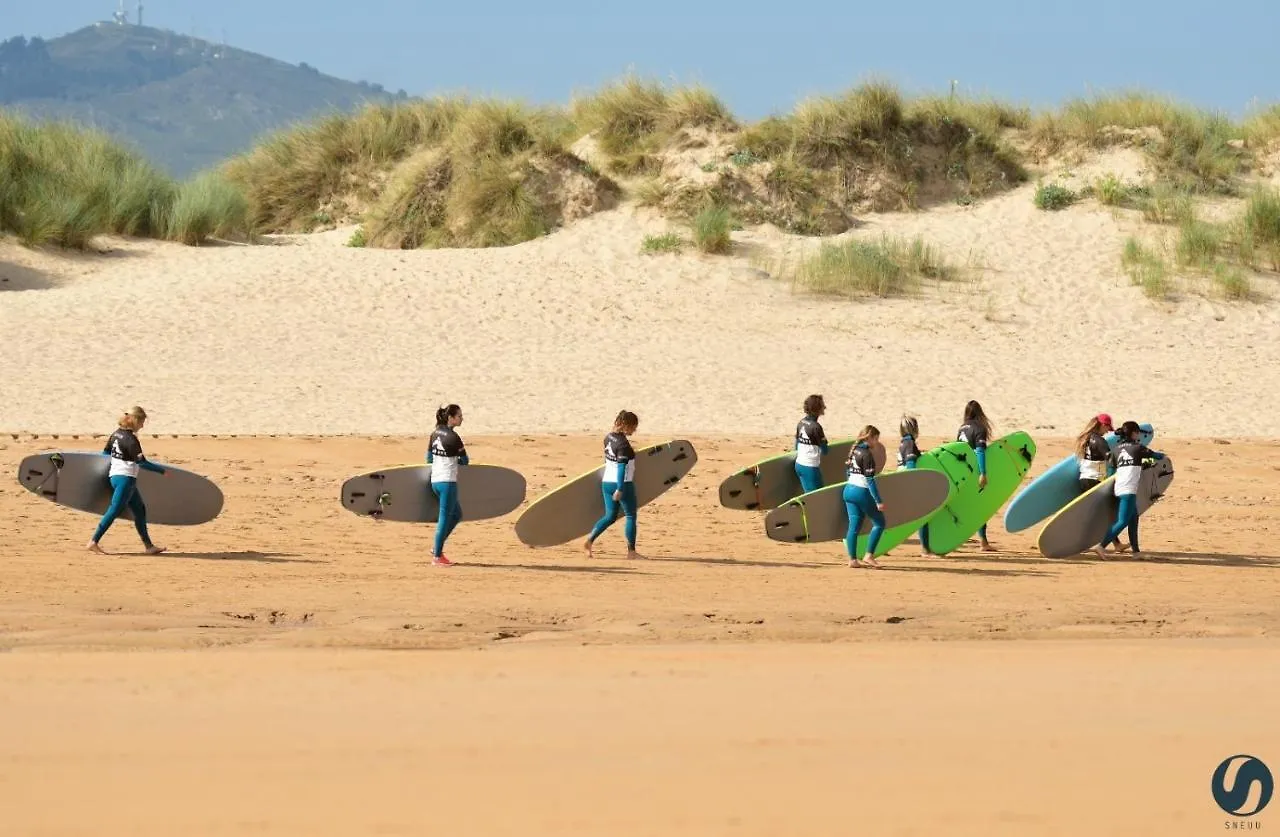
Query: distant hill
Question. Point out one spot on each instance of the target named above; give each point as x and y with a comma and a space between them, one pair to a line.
185, 103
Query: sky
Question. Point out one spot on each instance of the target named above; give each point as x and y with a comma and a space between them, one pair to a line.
759, 57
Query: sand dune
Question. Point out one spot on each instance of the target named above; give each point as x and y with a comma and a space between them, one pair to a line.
558, 334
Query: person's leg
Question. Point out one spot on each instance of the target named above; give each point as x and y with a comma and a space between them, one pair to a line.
854, 510
455, 510
611, 509
1131, 514
445, 494
630, 508
139, 509
810, 478
924, 540
1119, 525
867, 504
121, 490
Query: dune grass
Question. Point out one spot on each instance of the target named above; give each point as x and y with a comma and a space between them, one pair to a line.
1190, 148
665, 243
712, 229
634, 119
951, 141
1051, 196
884, 267
437, 173
1146, 269
63, 185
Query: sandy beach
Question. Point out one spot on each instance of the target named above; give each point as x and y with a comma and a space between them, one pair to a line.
557, 335
254, 679
291, 669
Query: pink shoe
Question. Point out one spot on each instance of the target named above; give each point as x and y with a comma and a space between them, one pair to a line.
442, 562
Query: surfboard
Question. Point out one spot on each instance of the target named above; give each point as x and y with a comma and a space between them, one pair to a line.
910, 497
78, 480
572, 509
770, 482
1008, 460
1053, 489
1084, 521
403, 493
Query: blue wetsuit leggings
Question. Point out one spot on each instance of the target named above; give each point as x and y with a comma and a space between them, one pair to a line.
1126, 518
810, 477
124, 492
859, 503
924, 530
612, 508
450, 513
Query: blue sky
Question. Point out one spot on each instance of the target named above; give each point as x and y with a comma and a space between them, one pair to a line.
759, 58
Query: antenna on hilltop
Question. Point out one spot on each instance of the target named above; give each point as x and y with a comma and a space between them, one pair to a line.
120, 15
139, 12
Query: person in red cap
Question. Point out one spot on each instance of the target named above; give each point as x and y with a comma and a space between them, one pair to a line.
1093, 451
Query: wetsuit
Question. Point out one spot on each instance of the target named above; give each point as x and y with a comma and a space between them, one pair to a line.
1127, 459
1093, 462
908, 457
861, 497
975, 436
126, 461
445, 453
811, 446
619, 473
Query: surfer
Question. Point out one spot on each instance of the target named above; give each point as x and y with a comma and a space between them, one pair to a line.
976, 432
811, 444
1093, 451
618, 483
1129, 459
126, 461
445, 453
908, 456
861, 497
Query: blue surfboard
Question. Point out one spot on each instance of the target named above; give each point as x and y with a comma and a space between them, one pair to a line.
1053, 489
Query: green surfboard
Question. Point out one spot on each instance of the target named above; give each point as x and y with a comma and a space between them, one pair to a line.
1008, 460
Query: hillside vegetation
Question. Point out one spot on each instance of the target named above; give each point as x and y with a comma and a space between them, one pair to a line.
62, 185
186, 104
457, 172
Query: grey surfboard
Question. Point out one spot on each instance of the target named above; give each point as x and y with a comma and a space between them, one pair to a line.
1083, 522
403, 493
771, 482
569, 511
910, 497
78, 480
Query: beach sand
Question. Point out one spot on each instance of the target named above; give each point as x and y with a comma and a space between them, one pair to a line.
558, 334
291, 669
259, 678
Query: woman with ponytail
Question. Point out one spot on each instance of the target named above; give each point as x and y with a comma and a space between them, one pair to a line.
976, 433
445, 453
862, 498
1092, 451
619, 482
126, 461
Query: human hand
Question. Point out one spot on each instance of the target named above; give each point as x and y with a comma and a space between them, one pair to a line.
879, 506
617, 495
982, 480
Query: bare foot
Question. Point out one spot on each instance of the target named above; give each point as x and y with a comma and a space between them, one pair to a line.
871, 562
1121, 548
155, 550
1097, 550
587, 546
1139, 556
634, 556
986, 547
93, 547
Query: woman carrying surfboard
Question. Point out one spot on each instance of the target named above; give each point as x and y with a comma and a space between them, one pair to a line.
1093, 451
811, 444
862, 498
618, 483
908, 456
1128, 459
126, 461
444, 454
976, 432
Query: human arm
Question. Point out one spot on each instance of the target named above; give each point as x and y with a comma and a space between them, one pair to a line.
147, 465
875, 492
